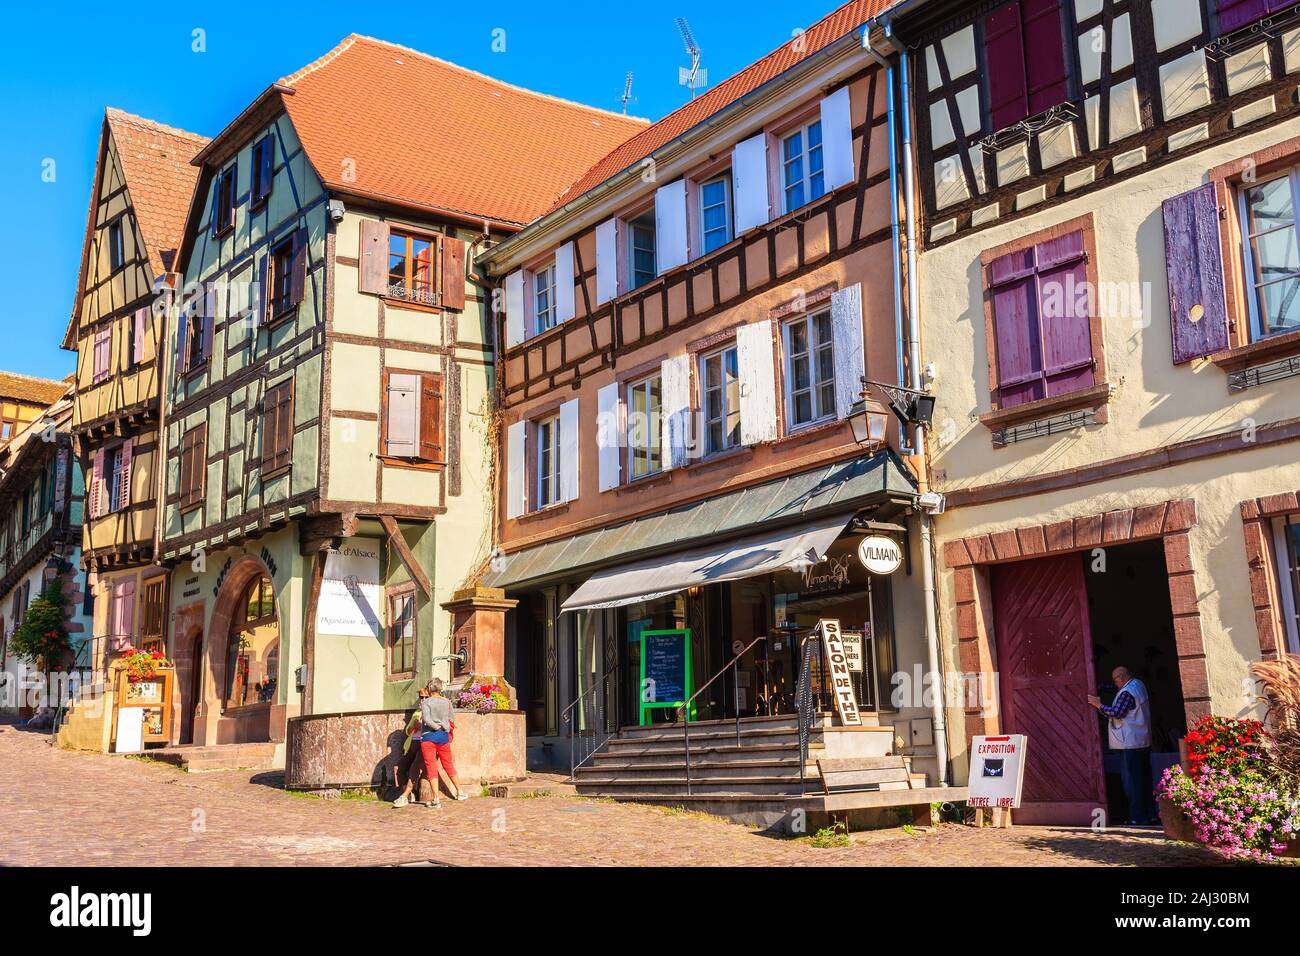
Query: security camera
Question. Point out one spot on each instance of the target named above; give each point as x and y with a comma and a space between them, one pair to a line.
931, 503
336, 210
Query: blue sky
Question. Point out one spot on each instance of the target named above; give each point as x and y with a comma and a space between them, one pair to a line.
61, 66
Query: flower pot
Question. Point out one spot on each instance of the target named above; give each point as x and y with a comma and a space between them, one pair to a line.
1177, 825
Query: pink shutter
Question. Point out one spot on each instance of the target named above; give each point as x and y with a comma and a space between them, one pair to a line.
1016, 328
140, 331
124, 476
1064, 304
97, 484
1198, 312
373, 268
1044, 55
1004, 51
1235, 14
128, 608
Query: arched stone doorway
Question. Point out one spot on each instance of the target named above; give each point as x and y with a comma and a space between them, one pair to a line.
242, 693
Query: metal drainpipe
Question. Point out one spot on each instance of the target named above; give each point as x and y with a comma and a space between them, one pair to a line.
918, 441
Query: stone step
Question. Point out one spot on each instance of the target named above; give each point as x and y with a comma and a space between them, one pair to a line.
790, 721
198, 759
741, 770
731, 786
714, 749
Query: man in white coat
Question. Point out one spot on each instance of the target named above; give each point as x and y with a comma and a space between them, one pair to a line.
1129, 718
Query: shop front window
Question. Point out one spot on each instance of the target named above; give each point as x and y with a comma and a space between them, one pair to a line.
252, 649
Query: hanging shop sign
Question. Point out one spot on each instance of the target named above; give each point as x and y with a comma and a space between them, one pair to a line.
350, 591
665, 671
880, 554
997, 771
837, 668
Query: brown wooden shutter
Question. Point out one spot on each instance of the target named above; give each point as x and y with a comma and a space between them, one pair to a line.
431, 423
453, 273
284, 427
298, 267
373, 266
187, 468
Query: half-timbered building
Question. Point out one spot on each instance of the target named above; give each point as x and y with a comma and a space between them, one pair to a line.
1107, 195
328, 422
685, 339
140, 193
41, 512
22, 399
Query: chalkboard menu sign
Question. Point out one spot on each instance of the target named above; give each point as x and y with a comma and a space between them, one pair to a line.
665, 670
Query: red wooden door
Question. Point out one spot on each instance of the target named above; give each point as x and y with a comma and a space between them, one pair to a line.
1044, 649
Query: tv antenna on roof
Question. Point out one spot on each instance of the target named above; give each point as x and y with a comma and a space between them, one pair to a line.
627, 91
692, 76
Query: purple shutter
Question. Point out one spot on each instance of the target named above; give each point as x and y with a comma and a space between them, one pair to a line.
1015, 323
1044, 55
1064, 305
1235, 14
1004, 51
402, 435
124, 477
1198, 312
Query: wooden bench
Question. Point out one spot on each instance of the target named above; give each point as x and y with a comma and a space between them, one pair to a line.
854, 783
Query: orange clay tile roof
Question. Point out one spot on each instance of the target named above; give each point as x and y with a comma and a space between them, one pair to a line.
30, 390
156, 163
418, 130
820, 35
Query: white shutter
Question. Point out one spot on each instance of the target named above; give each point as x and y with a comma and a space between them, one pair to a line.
670, 226
850, 355
749, 183
514, 308
516, 468
757, 368
569, 450
402, 438
675, 410
609, 432
837, 139
564, 283
607, 261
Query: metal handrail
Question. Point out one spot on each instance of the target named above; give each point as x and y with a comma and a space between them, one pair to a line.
568, 722
686, 723
804, 705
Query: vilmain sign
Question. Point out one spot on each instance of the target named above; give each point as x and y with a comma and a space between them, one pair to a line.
880, 554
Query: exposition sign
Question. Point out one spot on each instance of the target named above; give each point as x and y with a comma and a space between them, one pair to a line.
880, 554
837, 663
350, 594
997, 771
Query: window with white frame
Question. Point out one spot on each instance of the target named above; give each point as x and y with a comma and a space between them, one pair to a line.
1271, 255
641, 254
715, 212
801, 166
644, 399
810, 369
720, 399
548, 461
544, 297
1286, 539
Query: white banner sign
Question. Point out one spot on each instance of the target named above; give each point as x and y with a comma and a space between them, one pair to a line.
997, 771
838, 679
853, 650
350, 594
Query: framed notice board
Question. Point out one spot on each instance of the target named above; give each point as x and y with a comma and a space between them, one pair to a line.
665, 671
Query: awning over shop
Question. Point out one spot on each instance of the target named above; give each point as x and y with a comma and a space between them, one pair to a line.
671, 573
790, 502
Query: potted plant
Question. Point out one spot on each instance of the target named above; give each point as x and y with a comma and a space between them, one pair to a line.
42, 637
142, 666
1232, 797
483, 697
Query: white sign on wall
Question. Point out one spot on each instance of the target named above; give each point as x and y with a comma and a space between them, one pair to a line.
997, 771
350, 594
853, 650
880, 554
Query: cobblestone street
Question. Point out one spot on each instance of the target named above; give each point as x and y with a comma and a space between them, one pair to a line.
64, 808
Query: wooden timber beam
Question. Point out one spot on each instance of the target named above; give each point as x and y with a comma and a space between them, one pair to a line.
408, 558
309, 630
